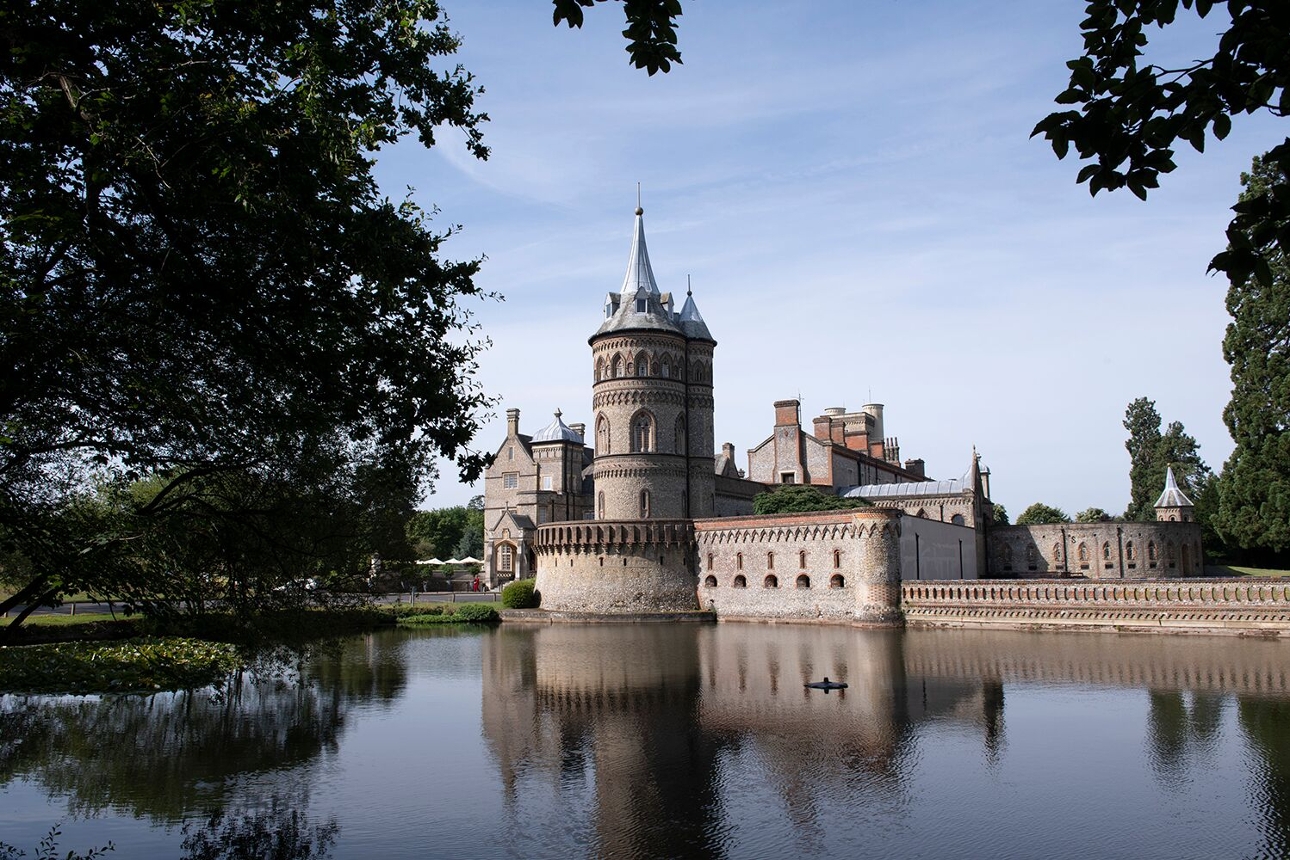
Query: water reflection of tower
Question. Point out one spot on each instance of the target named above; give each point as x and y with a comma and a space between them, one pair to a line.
568, 707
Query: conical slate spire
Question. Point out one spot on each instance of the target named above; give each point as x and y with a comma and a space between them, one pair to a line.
1172, 497
692, 321
639, 274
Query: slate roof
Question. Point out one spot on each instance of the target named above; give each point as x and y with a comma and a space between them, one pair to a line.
557, 431
1172, 497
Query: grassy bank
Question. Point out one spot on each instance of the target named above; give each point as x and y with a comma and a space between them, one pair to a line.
90, 653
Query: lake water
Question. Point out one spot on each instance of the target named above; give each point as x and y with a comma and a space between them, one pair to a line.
679, 741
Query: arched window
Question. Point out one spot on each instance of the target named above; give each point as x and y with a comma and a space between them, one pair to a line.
642, 365
600, 368
644, 504
837, 559
741, 581
1128, 550
678, 444
643, 432
505, 558
1082, 552
1057, 553
1106, 551
770, 581
1151, 550
837, 581
602, 435
957, 519
803, 581
739, 561
801, 560
600, 505
665, 369
770, 561
709, 561
1032, 554
653, 368
1005, 552
616, 366
710, 581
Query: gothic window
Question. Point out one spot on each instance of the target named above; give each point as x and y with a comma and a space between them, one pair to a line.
600, 505
665, 370
602, 435
770, 581
1128, 551
739, 561
643, 432
1057, 553
600, 368
1032, 555
616, 367
1106, 551
642, 365
801, 560
803, 581
837, 559
1151, 550
1082, 552
506, 558
644, 504
770, 561
679, 446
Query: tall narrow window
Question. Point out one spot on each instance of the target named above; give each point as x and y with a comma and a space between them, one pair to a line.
600, 505
644, 504
801, 559
739, 561
642, 366
643, 432
837, 559
616, 367
770, 561
602, 435
505, 558
679, 435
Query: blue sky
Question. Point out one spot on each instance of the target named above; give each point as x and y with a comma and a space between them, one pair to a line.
851, 187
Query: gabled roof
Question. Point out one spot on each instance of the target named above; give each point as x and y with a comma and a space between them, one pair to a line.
521, 522
1172, 497
557, 431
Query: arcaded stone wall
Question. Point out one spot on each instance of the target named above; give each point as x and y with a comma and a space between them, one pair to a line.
838, 566
616, 567
1204, 606
1112, 550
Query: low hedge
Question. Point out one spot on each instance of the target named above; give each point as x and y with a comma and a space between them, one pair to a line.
521, 594
461, 613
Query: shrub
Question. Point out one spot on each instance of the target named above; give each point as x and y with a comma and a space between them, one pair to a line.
521, 594
477, 612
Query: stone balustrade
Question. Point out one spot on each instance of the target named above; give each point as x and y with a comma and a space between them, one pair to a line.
600, 536
1209, 605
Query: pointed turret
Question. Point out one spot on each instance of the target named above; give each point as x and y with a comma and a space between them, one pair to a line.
557, 431
1173, 504
639, 304
691, 320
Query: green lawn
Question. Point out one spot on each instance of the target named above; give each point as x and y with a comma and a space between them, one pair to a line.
1218, 570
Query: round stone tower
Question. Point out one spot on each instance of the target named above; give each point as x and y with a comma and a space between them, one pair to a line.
653, 467
651, 401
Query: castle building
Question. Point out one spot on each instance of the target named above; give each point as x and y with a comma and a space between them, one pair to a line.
649, 518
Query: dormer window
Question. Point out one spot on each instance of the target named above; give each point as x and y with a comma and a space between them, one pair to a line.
641, 305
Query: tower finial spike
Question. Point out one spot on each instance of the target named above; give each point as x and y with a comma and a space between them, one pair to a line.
639, 210
688, 291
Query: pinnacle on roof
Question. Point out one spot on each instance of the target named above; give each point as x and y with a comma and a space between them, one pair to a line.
639, 274
1172, 497
692, 321
557, 431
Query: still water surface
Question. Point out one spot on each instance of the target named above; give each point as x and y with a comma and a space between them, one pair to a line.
679, 741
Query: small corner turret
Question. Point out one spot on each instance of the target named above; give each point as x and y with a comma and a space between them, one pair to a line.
1173, 504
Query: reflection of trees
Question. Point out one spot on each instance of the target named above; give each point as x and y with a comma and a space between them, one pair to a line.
159, 756
1264, 722
1179, 728
280, 832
